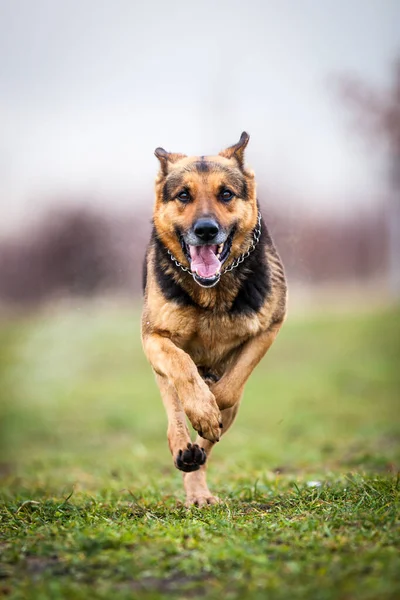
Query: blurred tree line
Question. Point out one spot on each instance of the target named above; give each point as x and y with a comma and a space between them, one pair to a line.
75, 251
376, 113
78, 251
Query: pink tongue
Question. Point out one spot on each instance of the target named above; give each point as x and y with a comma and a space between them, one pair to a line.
204, 261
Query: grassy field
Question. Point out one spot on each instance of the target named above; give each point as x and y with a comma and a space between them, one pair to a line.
91, 505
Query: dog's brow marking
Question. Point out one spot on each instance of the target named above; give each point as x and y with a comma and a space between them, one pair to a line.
208, 165
202, 166
234, 179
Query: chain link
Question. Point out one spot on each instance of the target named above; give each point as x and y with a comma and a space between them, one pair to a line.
254, 242
237, 261
178, 264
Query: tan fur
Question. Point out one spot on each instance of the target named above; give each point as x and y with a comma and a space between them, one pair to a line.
182, 341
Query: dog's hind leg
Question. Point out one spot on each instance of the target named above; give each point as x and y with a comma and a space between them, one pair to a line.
229, 388
195, 483
187, 456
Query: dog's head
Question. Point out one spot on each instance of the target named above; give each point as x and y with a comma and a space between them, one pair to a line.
206, 209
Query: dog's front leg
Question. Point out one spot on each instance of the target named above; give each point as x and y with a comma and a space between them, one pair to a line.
229, 389
187, 456
180, 372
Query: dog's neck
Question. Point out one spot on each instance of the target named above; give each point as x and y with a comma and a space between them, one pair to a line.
219, 297
237, 291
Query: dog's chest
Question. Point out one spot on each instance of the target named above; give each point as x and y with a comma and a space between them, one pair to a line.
214, 337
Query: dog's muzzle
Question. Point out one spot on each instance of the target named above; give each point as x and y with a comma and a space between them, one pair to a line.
206, 246
205, 258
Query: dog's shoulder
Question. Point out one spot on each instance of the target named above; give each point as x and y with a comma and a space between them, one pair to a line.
253, 279
262, 279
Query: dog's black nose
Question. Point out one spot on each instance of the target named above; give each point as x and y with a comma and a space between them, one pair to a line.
206, 229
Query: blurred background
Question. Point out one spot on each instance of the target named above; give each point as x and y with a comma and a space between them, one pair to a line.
88, 89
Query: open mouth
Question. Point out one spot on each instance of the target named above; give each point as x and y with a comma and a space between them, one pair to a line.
206, 260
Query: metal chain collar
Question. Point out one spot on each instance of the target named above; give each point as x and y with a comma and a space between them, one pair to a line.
237, 261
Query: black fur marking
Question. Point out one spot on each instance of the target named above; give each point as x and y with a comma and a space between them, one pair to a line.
256, 284
170, 289
171, 186
144, 273
202, 166
166, 192
244, 194
210, 376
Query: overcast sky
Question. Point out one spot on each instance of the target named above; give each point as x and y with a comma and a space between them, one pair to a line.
89, 88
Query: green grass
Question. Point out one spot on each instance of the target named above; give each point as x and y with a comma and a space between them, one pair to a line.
91, 506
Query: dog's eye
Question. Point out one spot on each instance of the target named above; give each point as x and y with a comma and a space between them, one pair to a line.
183, 196
225, 195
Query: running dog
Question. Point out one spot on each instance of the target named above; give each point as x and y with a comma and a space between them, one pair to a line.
214, 299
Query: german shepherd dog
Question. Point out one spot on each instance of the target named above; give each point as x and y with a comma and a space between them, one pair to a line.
215, 299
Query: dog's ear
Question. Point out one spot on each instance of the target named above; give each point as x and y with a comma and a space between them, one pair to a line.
167, 158
237, 150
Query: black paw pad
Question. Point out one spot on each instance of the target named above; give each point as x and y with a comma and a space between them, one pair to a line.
191, 458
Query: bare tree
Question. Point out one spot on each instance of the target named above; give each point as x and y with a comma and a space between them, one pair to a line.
377, 114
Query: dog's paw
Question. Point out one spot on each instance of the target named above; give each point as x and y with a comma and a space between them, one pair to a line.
209, 426
191, 458
205, 418
210, 433
200, 500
